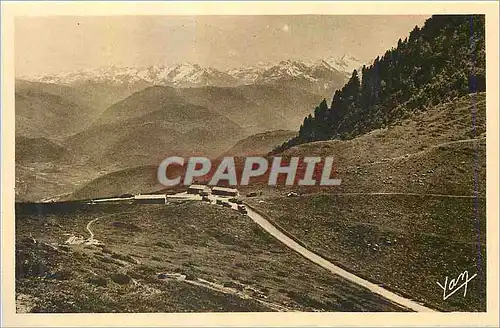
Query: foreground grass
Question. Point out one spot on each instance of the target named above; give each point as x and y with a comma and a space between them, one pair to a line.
227, 263
406, 243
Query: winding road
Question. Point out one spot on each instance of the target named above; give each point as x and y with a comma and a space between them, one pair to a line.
311, 256
90, 231
315, 258
91, 239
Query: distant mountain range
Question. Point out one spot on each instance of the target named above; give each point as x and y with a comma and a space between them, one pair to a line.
96, 121
320, 77
347, 63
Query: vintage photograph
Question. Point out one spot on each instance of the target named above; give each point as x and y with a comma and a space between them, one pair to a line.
250, 163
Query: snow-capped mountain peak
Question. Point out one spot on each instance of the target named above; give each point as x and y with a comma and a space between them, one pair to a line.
292, 68
346, 63
321, 63
181, 74
248, 75
324, 73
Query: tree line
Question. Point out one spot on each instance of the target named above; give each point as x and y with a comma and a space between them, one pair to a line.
438, 62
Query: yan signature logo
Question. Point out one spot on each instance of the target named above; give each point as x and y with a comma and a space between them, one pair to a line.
450, 287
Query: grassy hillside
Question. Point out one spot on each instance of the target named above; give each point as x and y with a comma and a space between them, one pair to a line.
42, 114
432, 151
445, 122
142, 128
97, 98
108, 94
406, 213
29, 150
227, 263
170, 129
403, 242
37, 181
257, 108
259, 144
140, 103
136, 180
55, 111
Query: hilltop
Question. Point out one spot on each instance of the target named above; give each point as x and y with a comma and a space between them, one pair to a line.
434, 64
259, 144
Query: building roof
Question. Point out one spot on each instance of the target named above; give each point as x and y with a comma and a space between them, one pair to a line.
201, 187
225, 189
155, 196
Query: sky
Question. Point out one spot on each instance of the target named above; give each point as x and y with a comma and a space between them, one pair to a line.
55, 44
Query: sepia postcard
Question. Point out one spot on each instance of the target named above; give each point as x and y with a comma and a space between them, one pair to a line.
250, 164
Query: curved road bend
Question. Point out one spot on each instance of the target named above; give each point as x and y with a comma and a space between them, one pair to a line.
266, 225
90, 231
102, 217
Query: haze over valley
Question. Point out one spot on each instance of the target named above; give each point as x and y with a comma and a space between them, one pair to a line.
114, 118
141, 100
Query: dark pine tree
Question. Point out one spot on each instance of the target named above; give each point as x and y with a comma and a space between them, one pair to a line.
442, 60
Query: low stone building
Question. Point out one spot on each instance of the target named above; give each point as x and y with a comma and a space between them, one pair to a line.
198, 189
150, 199
221, 191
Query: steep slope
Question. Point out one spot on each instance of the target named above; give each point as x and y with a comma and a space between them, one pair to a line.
444, 123
404, 243
405, 189
158, 122
431, 152
106, 93
257, 108
442, 60
141, 103
419, 154
55, 110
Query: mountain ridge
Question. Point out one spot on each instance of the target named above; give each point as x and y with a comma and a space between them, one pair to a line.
443, 60
185, 75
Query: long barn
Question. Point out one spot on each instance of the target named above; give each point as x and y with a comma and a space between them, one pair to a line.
150, 199
221, 191
198, 189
